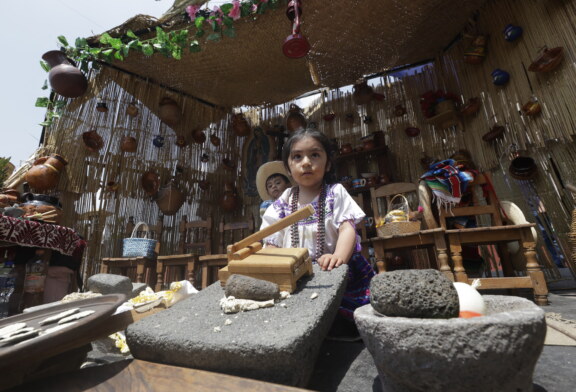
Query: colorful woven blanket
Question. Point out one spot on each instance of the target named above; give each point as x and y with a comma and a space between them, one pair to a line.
448, 181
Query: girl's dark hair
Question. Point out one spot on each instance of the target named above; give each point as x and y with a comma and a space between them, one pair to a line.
329, 176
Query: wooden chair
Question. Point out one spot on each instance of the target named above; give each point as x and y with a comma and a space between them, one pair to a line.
229, 233
195, 240
431, 238
496, 234
139, 269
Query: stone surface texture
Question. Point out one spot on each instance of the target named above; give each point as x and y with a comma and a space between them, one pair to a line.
278, 344
246, 287
496, 352
137, 288
110, 284
414, 293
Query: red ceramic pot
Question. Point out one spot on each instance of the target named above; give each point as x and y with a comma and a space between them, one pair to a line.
45, 173
64, 78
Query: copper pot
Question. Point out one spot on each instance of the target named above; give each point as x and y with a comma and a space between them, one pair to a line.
45, 172
169, 111
295, 119
240, 125
64, 78
128, 144
170, 199
92, 140
150, 182
101, 107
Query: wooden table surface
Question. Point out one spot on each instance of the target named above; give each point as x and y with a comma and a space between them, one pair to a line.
137, 375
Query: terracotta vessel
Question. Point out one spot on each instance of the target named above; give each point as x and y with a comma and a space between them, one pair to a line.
329, 116
132, 110
346, 148
64, 78
399, 110
9, 197
531, 108
362, 93
150, 182
229, 164
379, 138
472, 107
369, 143
496, 132
412, 131
128, 144
204, 158
230, 200
198, 136
215, 140
240, 125
204, 184
295, 119
170, 199
477, 51
102, 107
383, 179
112, 186
45, 173
523, 168
169, 111
181, 141
92, 140
548, 60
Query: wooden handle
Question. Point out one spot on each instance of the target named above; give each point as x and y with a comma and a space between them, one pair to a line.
571, 188
247, 251
273, 228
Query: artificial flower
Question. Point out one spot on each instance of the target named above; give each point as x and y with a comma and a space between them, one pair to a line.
235, 11
191, 10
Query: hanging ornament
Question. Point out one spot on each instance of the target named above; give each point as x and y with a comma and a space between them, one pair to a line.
204, 158
472, 107
128, 144
548, 60
512, 33
92, 140
181, 141
132, 110
240, 125
477, 51
169, 111
101, 106
215, 140
532, 107
295, 45
500, 77
295, 119
158, 141
362, 93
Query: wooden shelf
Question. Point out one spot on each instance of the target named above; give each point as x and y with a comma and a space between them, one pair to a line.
356, 154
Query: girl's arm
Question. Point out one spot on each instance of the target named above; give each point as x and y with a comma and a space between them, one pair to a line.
344, 248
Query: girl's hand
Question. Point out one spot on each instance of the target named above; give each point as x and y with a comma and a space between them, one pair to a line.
330, 261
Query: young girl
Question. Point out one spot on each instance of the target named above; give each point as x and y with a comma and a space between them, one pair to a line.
330, 234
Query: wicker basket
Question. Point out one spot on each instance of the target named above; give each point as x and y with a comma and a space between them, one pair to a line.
395, 228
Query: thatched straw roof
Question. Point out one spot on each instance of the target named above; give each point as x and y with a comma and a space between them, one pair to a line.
349, 39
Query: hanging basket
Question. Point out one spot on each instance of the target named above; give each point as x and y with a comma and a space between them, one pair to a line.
139, 247
403, 227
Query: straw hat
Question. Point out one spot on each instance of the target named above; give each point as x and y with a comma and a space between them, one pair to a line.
265, 171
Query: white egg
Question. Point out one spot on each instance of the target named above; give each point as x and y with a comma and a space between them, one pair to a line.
470, 300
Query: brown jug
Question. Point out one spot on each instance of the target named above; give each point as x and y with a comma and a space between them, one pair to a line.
362, 93
92, 140
64, 78
295, 119
230, 200
170, 199
128, 144
240, 125
45, 173
150, 182
169, 111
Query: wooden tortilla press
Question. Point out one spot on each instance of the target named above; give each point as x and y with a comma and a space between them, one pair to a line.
283, 266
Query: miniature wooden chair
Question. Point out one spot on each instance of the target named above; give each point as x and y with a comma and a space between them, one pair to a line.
229, 233
496, 234
195, 241
427, 238
139, 269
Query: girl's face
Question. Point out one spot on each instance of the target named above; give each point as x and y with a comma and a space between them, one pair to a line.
308, 163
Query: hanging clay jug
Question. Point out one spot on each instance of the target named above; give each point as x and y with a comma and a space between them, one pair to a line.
399, 110
215, 140
64, 78
477, 51
230, 200
92, 140
496, 132
181, 141
295, 119
150, 182
170, 199
531, 108
169, 111
329, 116
128, 144
204, 184
548, 60
112, 186
101, 107
472, 107
158, 141
362, 93
240, 125
132, 110
198, 136
45, 172
412, 131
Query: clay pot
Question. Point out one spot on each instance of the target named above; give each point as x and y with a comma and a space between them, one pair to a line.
9, 197
158, 141
329, 117
229, 164
362, 93
369, 143
45, 173
523, 168
92, 140
496, 132
204, 158
181, 141
204, 185
170, 199
240, 125
477, 51
150, 182
383, 179
500, 77
295, 119
399, 110
379, 138
64, 78
198, 136
128, 144
346, 148
548, 60
230, 200
132, 110
215, 140
412, 131
112, 186
169, 111
102, 107
472, 107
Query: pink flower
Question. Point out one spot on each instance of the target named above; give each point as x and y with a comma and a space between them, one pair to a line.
235, 11
216, 11
254, 8
191, 10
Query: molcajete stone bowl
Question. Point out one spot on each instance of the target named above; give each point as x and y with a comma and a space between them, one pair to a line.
496, 352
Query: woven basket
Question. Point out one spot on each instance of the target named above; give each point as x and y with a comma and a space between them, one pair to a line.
395, 228
138, 247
